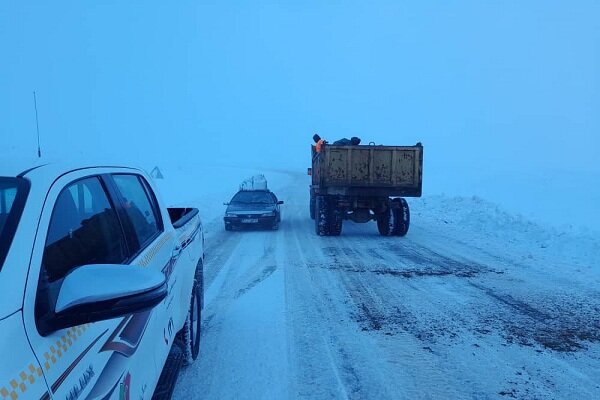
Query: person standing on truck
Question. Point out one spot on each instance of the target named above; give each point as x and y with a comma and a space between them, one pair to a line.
319, 142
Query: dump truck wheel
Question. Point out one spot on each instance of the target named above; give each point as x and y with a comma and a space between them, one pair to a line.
322, 216
401, 217
335, 223
312, 207
384, 223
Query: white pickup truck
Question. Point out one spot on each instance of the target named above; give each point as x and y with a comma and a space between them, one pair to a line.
98, 280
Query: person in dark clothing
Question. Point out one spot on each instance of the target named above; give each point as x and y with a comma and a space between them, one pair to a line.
354, 141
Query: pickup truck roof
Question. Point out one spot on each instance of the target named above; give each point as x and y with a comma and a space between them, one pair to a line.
55, 170
12, 167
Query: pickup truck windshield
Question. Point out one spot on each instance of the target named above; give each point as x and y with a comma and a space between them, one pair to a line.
13, 192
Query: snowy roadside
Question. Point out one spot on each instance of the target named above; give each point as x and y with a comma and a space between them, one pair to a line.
488, 226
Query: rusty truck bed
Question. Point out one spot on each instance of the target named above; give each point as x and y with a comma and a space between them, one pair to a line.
368, 170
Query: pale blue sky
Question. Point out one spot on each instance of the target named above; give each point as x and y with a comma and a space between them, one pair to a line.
484, 85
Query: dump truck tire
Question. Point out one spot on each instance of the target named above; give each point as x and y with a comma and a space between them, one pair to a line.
384, 223
322, 216
400, 217
335, 221
312, 207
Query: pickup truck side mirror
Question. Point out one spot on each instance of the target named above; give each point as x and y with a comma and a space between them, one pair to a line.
280, 202
225, 204
98, 292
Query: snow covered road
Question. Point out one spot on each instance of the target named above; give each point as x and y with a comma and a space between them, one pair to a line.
442, 313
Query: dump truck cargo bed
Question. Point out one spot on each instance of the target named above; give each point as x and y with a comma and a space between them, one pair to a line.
369, 171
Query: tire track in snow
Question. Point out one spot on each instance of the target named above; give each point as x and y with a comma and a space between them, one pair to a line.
220, 247
315, 372
356, 356
233, 364
375, 302
469, 326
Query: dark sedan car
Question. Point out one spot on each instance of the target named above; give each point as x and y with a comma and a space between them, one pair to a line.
253, 208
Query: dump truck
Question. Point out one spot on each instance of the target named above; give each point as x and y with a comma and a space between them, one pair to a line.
364, 183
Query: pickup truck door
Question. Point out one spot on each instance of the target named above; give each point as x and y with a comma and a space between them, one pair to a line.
81, 224
159, 250
21, 374
176, 252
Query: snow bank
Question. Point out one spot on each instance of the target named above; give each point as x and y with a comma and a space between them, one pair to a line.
552, 197
489, 225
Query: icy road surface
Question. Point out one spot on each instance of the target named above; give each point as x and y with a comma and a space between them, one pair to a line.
447, 312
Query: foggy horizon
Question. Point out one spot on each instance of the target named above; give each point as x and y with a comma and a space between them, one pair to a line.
490, 89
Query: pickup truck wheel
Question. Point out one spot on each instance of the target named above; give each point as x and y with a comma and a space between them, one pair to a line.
401, 217
322, 216
189, 336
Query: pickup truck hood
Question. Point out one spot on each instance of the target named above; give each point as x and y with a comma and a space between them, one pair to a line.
250, 209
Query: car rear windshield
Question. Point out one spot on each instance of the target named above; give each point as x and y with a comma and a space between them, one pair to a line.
13, 193
253, 197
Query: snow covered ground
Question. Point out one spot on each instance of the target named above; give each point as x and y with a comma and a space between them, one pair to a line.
474, 303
